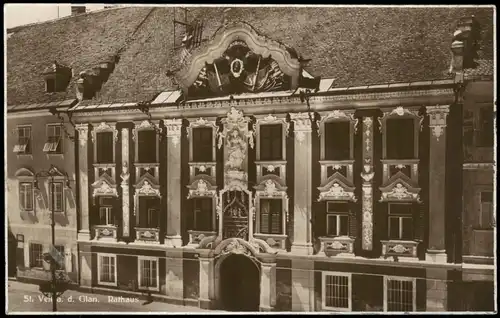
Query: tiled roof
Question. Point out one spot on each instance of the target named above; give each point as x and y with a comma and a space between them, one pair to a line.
355, 46
484, 68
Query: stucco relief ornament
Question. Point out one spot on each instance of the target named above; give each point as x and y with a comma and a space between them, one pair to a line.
174, 127
125, 175
270, 188
103, 127
398, 249
83, 133
147, 234
399, 192
235, 247
202, 168
202, 188
104, 189
336, 245
237, 67
236, 148
106, 232
147, 189
270, 168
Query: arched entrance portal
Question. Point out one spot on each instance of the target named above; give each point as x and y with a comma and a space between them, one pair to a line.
239, 284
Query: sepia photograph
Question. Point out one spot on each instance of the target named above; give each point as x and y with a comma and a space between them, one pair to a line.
236, 159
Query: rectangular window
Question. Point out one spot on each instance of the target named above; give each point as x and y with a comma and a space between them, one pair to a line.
399, 294
202, 144
50, 85
486, 220
337, 219
36, 255
149, 208
106, 216
26, 196
271, 216
57, 188
486, 127
60, 249
148, 273
23, 145
107, 269
202, 214
104, 146
54, 139
271, 142
468, 128
146, 140
400, 221
338, 140
400, 134
336, 291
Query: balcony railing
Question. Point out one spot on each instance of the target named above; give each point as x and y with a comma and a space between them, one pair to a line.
337, 246
407, 249
275, 241
105, 232
195, 237
147, 235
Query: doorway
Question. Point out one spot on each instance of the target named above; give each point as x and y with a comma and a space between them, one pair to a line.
239, 284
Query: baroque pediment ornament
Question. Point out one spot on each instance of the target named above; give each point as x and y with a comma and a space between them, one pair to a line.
104, 127
147, 189
342, 115
174, 130
400, 111
101, 188
271, 119
399, 192
336, 192
202, 189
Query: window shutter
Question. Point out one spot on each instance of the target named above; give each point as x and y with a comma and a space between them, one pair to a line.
22, 196
353, 223
276, 217
419, 218
264, 216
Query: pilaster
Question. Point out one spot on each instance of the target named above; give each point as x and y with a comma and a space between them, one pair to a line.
367, 187
302, 285
267, 286
174, 286
207, 291
437, 290
437, 190
302, 241
173, 233
125, 175
83, 133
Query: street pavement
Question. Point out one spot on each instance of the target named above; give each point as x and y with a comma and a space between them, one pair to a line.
24, 297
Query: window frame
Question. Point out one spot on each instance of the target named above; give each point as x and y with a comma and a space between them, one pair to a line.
98, 148
401, 279
31, 264
324, 275
400, 221
337, 214
99, 270
140, 260
27, 143
58, 143
278, 119
144, 126
104, 127
337, 116
108, 208
481, 212
401, 113
327, 140
140, 210
198, 211
194, 132
280, 217
22, 207
208, 122
52, 186
272, 140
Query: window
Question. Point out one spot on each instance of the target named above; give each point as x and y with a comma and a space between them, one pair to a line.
486, 220
468, 128
26, 196
400, 135
60, 249
106, 216
337, 140
270, 216
23, 145
147, 146
149, 208
337, 219
486, 127
336, 291
57, 188
148, 273
202, 208
36, 255
106, 269
50, 85
400, 221
54, 141
105, 147
202, 144
271, 146
399, 294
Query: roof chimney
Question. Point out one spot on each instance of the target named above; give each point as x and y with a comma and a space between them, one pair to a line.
75, 9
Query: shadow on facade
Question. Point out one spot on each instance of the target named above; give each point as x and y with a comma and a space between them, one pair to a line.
239, 284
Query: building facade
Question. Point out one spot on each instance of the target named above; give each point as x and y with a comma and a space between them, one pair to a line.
254, 185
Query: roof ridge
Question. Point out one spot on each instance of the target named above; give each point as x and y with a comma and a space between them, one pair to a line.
25, 26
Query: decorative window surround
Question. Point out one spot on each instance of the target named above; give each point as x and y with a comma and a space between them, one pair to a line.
104, 187
272, 120
338, 115
400, 164
345, 290
145, 125
202, 188
413, 284
104, 127
278, 167
406, 249
195, 237
400, 191
342, 246
141, 167
147, 235
25, 175
202, 122
400, 112
203, 168
105, 233
125, 184
143, 261
105, 171
111, 270
145, 188
24, 146
275, 188
58, 177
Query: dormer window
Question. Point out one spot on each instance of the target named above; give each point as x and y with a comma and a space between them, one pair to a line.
57, 78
